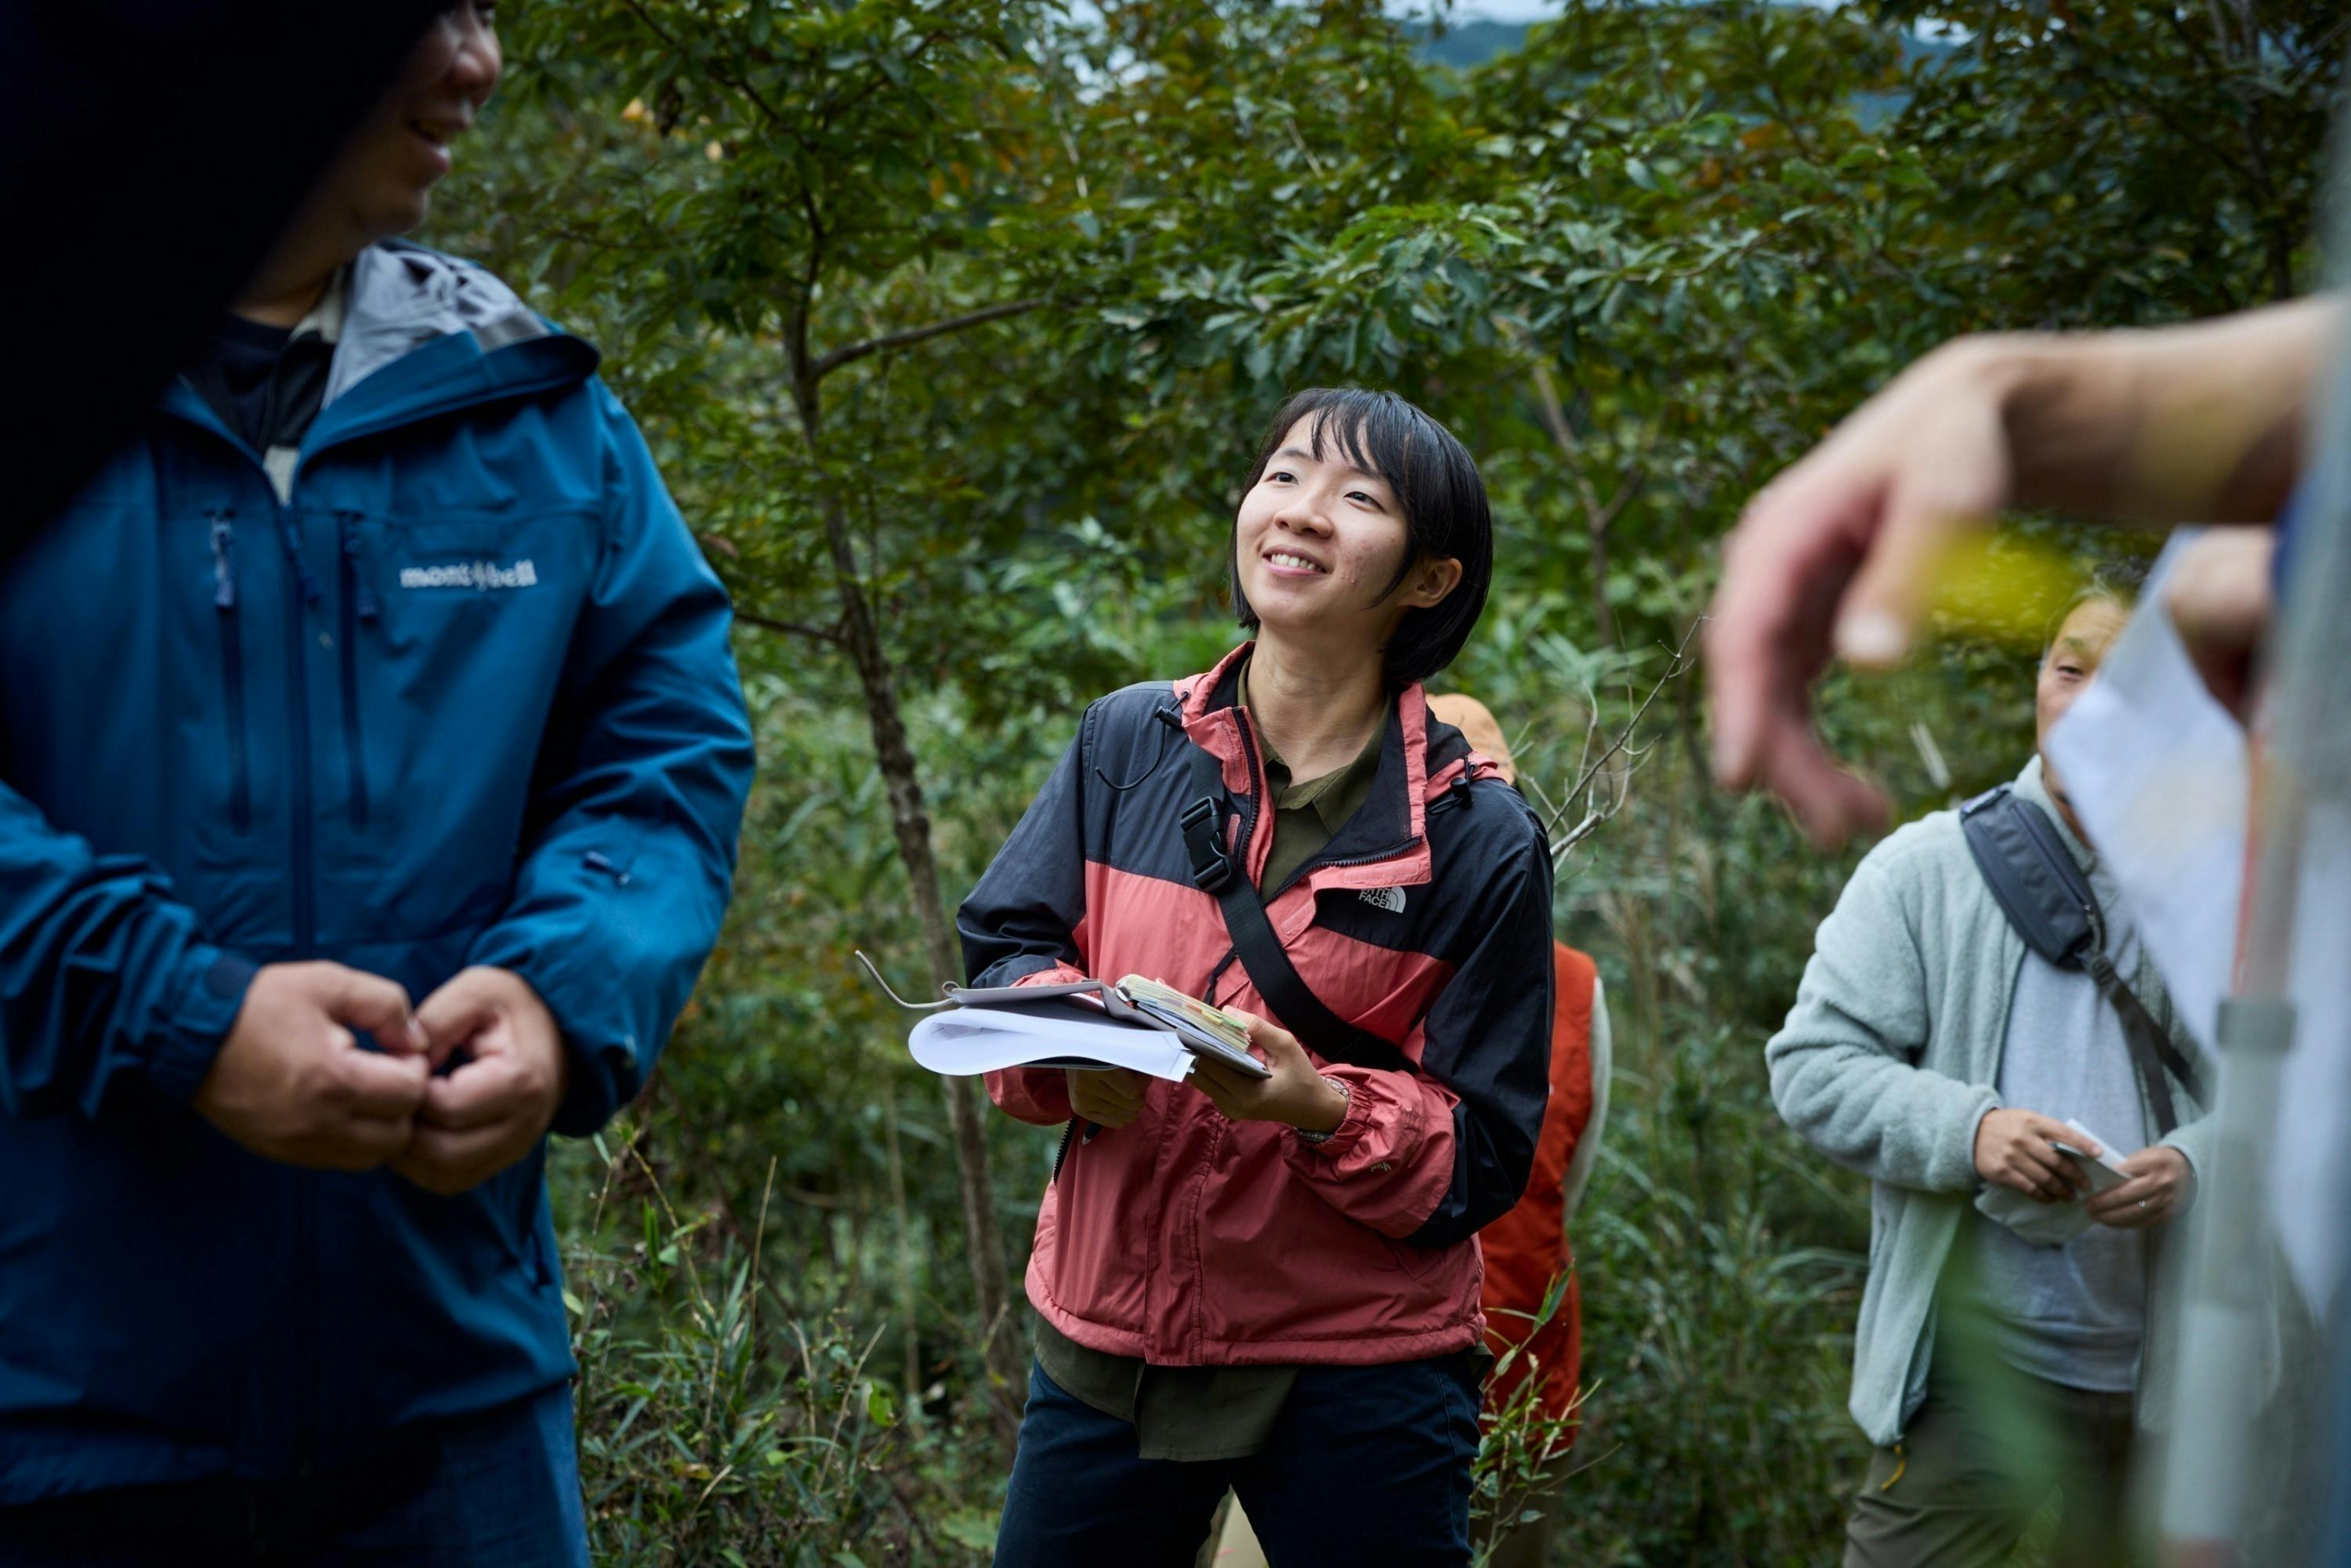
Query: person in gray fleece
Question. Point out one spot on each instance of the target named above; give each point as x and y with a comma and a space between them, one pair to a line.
1929, 1049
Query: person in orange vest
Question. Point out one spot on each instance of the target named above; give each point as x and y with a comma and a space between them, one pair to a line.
1527, 1248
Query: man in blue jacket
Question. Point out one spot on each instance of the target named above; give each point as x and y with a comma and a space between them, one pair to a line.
378, 665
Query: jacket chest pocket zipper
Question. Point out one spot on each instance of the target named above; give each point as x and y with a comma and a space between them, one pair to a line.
358, 608
232, 655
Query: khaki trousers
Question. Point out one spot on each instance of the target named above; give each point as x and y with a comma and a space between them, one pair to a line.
1976, 1464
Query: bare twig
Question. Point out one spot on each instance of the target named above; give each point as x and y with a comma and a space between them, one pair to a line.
1622, 743
1289, 123
1578, 833
1527, 781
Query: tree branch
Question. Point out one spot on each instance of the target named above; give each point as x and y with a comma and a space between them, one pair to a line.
1598, 515
789, 628
739, 83
831, 111
850, 352
1624, 737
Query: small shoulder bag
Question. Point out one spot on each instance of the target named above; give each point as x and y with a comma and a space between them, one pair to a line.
2050, 903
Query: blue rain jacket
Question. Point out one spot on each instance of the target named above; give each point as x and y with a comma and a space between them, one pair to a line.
463, 698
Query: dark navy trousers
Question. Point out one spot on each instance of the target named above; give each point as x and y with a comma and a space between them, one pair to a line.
1365, 1465
500, 1490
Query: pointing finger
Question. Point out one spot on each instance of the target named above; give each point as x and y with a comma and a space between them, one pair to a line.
1829, 804
1785, 567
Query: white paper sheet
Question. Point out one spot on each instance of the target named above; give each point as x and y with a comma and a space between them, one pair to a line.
2158, 772
965, 1041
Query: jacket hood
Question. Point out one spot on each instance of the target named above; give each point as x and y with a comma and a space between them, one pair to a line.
403, 296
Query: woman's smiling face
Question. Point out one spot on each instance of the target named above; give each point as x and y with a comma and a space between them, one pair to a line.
1319, 540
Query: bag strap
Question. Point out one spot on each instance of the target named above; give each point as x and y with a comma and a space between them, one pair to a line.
2151, 1050
2032, 875
2048, 901
1216, 873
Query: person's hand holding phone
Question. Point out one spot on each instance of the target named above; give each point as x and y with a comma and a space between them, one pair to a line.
2019, 1149
2161, 1185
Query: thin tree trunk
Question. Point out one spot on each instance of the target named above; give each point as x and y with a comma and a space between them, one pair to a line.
974, 1182
1596, 518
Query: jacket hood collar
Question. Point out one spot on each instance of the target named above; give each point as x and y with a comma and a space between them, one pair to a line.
422, 334
1387, 836
402, 298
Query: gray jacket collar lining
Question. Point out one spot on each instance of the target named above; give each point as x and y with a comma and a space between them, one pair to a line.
400, 296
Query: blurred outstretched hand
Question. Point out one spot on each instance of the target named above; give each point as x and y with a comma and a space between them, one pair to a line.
1837, 556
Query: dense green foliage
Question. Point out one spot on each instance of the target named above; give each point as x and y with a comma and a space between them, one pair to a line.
1637, 264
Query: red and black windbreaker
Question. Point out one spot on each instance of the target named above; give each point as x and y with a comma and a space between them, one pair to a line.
1189, 1239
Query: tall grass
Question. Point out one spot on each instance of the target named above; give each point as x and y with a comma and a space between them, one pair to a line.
716, 1424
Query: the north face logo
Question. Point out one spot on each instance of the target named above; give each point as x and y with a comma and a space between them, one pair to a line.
1388, 898
481, 576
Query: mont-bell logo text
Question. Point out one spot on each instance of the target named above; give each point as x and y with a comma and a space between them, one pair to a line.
481, 576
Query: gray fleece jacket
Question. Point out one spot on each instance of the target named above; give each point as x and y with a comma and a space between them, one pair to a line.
1887, 1063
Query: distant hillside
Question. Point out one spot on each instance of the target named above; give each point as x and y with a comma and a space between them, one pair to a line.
1468, 44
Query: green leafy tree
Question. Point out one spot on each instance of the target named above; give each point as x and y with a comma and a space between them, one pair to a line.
953, 322
811, 184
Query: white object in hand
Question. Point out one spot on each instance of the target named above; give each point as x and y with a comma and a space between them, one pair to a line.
2054, 1224
964, 1041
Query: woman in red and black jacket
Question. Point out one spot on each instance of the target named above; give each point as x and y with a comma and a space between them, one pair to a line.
1273, 1284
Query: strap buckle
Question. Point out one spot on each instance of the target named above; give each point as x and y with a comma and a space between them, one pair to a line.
1991, 797
1203, 822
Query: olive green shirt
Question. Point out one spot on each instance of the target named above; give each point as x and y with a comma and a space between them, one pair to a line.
1308, 815
1218, 1412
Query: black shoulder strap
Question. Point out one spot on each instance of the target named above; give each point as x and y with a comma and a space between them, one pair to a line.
2049, 902
2151, 1048
1216, 873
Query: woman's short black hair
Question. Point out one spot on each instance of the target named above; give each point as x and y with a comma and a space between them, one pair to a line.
1446, 514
